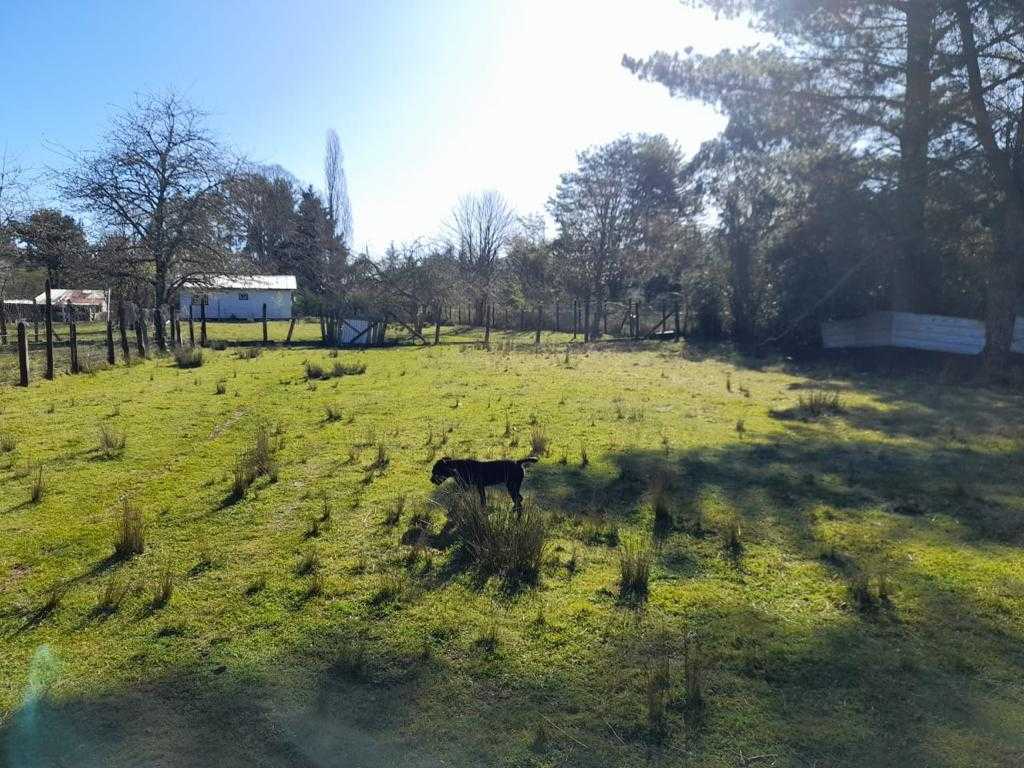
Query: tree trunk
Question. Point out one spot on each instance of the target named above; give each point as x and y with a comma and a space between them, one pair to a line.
914, 282
158, 329
1001, 294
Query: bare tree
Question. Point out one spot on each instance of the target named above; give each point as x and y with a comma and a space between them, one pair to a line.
478, 232
12, 189
338, 206
157, 181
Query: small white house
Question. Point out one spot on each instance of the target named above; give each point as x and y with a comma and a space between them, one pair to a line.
91, 301
240, 297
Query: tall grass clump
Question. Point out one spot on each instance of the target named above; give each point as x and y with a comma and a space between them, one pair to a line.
347, 369
820, 402
111, 596
130, 531
7, 443
499, 542
37, 490
634, 569
164, 587
112, 442
539, 442
188, 357
660, 502
259, 460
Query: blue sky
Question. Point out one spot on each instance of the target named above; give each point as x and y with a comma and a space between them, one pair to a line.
431, 99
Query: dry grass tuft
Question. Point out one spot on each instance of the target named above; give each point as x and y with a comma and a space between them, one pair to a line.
634, 569
188, 357
499, 542
112, 441
130, 535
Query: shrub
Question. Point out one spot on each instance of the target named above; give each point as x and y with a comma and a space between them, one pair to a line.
113, 594
37, 490
538, 442
820, 402
347, 369
188, 357
337, 369
314, 370
112, 442
130, 534
634, 569
502, 542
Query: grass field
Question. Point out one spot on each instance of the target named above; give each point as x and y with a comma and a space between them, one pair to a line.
834, 589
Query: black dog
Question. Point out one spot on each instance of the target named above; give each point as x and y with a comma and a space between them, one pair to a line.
479, 474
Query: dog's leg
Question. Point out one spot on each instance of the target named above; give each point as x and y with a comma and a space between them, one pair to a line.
517, 497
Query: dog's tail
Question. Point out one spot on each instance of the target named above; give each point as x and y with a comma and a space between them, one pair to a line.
528, 460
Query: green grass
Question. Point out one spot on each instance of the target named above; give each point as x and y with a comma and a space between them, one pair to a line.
846, 590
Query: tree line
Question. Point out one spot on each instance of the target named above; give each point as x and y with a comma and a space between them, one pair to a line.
873, 158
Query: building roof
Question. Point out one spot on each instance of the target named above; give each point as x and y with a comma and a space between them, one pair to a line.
77, 296
246, 282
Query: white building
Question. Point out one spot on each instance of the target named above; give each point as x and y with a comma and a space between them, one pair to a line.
240, 297
92, 302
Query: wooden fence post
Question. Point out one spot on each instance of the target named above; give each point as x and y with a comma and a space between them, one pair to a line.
575, 316
49, 333
604, 313
264, 322
177, 326
3, 322
675, 309
558, 316
291, 327
35, 319
487, 324
110, 339
202, 322
459, 308
540, 319
73, 343
437, 327
191, 327
23, 353
122, 323
586, 319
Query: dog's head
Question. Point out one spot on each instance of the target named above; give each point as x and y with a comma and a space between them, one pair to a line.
442, 471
